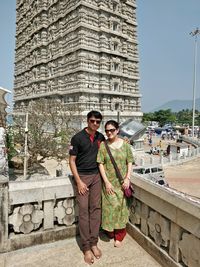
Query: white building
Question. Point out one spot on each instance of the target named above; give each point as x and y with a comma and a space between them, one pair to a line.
181, 149
83, 53
3, 106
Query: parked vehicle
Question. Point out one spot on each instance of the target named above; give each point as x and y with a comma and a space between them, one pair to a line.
153, 172
155, 150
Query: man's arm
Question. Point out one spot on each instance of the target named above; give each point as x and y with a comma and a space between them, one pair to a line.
82, 187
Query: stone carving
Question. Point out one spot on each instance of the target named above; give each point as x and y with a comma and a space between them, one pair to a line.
115, 84
28, 90
51, 50
42, 71
84, 44
94, 99
44, 19
135, 212
53, 13
43, 87
159, 228
65, 211
122, 106
51, 66
26, 76
83, 98
35, 73
50, 85
115, 64
35, 88
43, 54
190, 248
44, 35
36, 22
26, 218
44, 3
52, 30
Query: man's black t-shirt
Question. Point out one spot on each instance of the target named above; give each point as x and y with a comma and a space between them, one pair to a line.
86, 151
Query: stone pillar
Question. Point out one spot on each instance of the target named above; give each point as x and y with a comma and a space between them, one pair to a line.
142, 162
3, 213
178, 156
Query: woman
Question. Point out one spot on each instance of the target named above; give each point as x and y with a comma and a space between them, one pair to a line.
114, 204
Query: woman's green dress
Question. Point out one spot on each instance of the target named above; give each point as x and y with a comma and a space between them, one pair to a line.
114, 207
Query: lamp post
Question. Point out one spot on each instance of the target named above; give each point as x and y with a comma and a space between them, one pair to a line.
195, 34
26, 147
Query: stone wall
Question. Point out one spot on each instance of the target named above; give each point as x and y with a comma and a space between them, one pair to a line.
3, 192
81, 52
162, 220
171, 159
3, 213
39, 212
166, 223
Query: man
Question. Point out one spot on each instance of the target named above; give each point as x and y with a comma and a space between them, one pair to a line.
83, 165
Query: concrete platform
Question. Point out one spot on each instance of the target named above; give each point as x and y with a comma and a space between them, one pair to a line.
185, 177
67, 253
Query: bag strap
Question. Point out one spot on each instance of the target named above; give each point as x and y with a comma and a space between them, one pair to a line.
118, 173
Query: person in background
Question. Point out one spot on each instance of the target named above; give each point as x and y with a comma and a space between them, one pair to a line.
150, 144
83, 153
115, 213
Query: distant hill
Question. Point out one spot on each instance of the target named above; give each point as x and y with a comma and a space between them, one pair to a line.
177, 105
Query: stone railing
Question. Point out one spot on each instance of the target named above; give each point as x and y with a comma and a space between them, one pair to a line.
36, 212
166, 223
162, 220
171, 159
190, 140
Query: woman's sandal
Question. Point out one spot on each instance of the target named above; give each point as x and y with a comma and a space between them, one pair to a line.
96, 251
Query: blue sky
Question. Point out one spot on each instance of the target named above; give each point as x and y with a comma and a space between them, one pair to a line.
165, 47
167, 50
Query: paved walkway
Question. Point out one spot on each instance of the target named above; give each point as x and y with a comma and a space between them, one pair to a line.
67, 253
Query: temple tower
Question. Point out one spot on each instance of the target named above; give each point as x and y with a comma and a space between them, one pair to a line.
81, 52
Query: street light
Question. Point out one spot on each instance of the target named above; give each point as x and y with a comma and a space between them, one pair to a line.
26, 147
26, 154
195, 34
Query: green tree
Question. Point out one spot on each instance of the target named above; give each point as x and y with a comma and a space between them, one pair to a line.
184, 116
148, 117
164, 116
50, 128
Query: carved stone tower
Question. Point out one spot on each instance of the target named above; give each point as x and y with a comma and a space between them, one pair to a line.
82, 52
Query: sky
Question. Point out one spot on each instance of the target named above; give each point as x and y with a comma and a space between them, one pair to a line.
166, 49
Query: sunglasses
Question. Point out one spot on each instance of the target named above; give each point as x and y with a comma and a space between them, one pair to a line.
110, 130
93, 121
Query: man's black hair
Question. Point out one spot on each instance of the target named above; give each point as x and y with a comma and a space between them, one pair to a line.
94, 113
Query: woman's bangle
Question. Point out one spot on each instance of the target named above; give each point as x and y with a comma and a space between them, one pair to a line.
127, 177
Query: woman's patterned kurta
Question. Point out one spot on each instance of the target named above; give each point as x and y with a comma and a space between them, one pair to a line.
114, 207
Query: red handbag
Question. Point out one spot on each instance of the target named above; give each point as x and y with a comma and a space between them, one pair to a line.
128, 192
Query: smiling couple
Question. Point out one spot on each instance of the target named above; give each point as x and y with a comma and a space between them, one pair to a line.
99, 205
